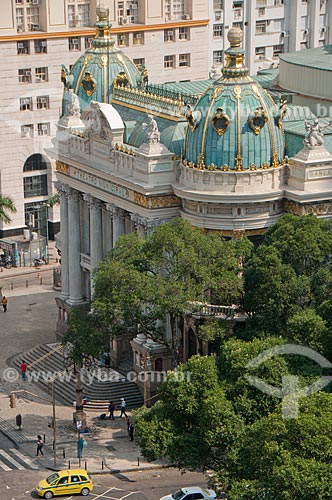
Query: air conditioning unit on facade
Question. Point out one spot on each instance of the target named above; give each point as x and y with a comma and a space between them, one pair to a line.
26, 234
34, 236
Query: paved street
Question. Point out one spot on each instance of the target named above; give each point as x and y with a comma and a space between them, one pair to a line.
148, 485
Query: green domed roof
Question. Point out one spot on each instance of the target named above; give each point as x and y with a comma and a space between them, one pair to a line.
235, 125
92, 76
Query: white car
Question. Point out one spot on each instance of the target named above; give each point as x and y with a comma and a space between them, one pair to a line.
191, 493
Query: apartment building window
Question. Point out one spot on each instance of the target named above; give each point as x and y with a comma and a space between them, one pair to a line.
35, 186
178, 9
127, 12
88, 42
174, 9
139, 63
260, 52
184, 60
123, 40
278, 49
20, 19
132, 11
278, 2
218, 4
41, 46
35, 162
83, 13
217, 30
74, 43
169, 62
43, 129
32, 18
27, 130
260, 27
19, 1
238, 24
169, 35
78, 15
184, 34
261, 11
23, 47
217, 56
24, 76
238, 13
43, 102
41, 75
138, 38
26, 104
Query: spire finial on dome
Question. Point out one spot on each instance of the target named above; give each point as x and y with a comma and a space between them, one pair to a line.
235, 37
234, 63
103, 13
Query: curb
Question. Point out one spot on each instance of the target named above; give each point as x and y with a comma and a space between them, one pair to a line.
97, 472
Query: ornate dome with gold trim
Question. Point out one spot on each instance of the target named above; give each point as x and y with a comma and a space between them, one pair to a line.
235, 125
92, 77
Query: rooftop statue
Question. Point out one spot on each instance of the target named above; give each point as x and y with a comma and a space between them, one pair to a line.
214, 73
73, 104
66, 78
315, 133
152, 131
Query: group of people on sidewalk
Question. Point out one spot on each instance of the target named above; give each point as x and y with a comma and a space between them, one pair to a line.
130, 425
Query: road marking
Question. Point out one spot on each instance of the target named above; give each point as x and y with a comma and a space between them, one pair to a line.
102, 494
4, 466
24, 459
11, 460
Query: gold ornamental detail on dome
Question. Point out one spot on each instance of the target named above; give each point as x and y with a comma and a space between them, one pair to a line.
257, 120
88, 84
220, 121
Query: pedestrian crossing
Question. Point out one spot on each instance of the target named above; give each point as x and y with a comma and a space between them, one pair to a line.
14, 459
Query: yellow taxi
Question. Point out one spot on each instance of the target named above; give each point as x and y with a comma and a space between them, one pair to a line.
65, 482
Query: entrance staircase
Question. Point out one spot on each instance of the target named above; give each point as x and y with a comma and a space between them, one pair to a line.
100, 385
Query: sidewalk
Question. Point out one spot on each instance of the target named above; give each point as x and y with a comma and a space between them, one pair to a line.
54, 261
108, 448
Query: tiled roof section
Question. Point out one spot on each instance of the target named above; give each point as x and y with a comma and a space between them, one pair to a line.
266, 77
196, 87
319, 58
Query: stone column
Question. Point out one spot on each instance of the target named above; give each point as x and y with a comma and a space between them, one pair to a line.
63, 190
96, 232
75, 271
108, 227
85, 218
118, 224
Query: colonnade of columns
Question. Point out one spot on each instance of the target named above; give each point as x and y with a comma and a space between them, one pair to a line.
90, 228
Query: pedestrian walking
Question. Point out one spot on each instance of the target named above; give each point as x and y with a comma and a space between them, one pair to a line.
40, 445
127, 424
123, 408
131, 430
4, 303
111, 409
24, 367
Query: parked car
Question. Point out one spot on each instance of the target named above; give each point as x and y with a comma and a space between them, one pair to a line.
191, 493
65, 482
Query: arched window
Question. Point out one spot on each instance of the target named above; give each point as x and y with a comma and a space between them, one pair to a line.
35, 162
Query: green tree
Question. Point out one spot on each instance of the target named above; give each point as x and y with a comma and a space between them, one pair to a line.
281, 459
272, 291
307, 328
193, 424
6, 205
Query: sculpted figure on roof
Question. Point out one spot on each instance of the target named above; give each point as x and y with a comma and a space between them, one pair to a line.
315, 133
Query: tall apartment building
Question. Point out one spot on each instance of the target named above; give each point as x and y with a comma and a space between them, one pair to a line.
271, 27
170, 37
